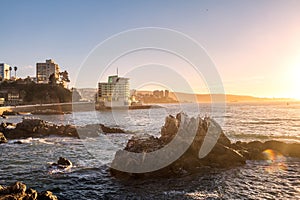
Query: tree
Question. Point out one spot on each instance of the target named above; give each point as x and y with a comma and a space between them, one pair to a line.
15, 68
6, 71
10, 68
52, 79
64, 77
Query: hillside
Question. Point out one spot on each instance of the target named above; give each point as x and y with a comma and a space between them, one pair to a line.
186, 97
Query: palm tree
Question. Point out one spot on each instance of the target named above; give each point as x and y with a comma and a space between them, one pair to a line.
6, 71
15, 68
10, 68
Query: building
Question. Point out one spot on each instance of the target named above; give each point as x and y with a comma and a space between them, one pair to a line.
4, 72
167, 93
114, 93
10, 97
44, 71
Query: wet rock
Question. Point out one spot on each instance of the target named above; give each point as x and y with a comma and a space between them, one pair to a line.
38, 128
106, 129
221, 155
31, 194
3, 116
8, 112
47, 195
62, 163
18, 191
254, 150
2, 138
94, 130
70, 130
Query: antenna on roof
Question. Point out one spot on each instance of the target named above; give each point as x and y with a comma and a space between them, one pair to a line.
117, 71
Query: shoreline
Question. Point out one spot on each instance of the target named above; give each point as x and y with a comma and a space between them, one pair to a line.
63, 107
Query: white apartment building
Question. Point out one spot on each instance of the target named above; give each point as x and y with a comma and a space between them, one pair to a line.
44, 70
115, 92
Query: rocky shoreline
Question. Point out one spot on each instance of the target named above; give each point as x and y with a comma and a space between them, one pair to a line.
19, 190
224, 153
37, 128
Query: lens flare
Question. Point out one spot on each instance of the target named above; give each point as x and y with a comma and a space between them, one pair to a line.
275, 159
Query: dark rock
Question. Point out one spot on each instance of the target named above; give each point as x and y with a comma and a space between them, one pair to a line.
254, 150
8, 112
47, 195
18, 191
31, 194
222, 154
70, 130
2, 138
38, 128
3, 116
106, 129
64, 162
93, 130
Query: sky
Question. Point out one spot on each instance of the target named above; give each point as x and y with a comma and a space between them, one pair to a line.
254, 45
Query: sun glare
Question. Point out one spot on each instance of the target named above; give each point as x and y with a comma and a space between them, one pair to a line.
294, 82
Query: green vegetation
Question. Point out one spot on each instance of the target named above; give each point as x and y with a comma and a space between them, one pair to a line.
32, 93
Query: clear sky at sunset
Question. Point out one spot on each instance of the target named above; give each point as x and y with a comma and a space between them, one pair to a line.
255, 44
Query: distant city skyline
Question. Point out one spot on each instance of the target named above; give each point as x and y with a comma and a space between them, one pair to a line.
255, 45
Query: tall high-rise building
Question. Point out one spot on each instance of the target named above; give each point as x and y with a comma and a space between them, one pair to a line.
44, 71
115, 92
4, 72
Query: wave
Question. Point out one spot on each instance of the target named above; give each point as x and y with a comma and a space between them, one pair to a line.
31, 140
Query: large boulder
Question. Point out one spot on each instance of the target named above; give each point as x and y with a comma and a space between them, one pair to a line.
62, 163
220, 154
209, 148
38, 128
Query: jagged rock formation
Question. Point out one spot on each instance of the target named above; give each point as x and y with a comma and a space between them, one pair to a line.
19, 190
198, 155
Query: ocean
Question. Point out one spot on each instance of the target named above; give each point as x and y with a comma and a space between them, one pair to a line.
89, 178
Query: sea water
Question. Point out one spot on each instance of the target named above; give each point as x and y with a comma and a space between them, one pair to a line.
90, 178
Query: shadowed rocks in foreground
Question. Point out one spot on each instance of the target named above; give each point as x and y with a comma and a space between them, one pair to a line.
40, 128
19, 190
208, 148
